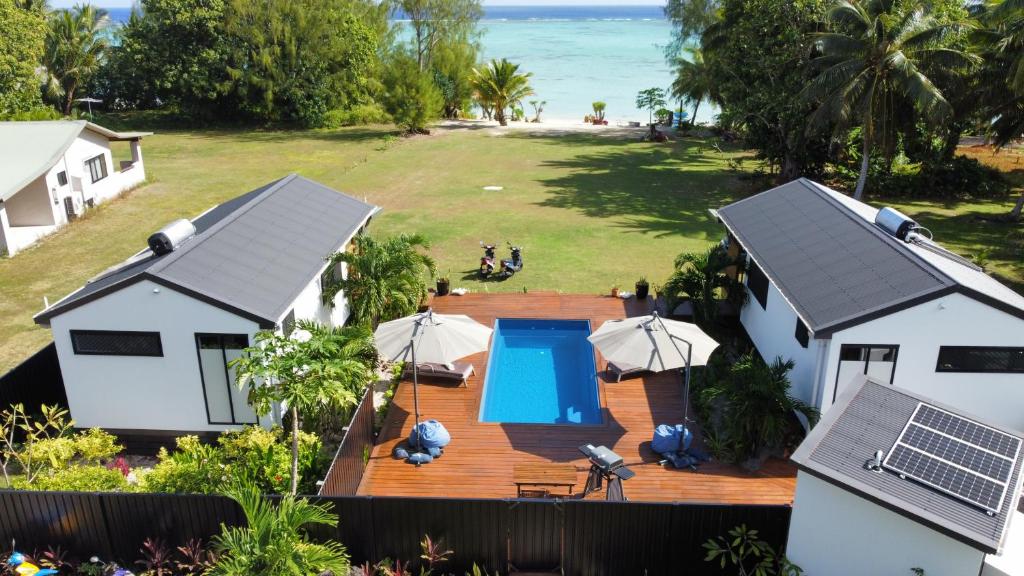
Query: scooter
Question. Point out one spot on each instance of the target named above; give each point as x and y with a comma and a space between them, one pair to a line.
514, 264
487, 260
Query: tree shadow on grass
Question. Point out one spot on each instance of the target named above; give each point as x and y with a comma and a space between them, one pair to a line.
665, 189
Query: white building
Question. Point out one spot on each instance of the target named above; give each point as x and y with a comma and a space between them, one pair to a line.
953, 512
841, 296
144, 346
51, 172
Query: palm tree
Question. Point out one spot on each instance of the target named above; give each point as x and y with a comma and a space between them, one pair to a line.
694, 81
701, 277
385, 279
500, 85
274, 540
76, 47
872, 66
314, 368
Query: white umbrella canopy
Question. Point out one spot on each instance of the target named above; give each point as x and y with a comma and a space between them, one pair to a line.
653, 343
439, 338
429, 337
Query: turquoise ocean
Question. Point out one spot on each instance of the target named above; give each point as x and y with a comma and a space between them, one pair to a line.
578, 54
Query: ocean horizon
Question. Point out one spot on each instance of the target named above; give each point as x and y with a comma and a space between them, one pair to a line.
577, 55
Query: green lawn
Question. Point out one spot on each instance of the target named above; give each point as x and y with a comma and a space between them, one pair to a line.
591, 211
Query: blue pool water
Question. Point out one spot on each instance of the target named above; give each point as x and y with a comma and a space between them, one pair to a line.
541, 372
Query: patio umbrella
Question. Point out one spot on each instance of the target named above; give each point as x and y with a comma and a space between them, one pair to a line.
430, 337
655, 344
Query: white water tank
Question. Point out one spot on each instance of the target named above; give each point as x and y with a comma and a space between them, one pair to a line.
171, 236
894, 222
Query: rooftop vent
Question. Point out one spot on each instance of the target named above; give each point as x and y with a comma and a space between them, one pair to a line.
170, 237
895, 223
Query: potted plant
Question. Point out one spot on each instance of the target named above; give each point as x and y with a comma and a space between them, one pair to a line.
642, 288
615, 291
443, 285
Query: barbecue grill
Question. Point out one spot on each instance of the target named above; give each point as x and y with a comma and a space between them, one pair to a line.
605, 465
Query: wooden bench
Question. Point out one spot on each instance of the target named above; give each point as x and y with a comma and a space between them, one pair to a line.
537, 479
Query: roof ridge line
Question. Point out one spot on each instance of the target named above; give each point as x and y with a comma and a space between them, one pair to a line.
234, 215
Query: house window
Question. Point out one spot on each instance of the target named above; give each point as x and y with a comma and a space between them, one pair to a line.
288, 325
62, 178
330, 275
225, 402
1000, 359
802, 335
97, 167
757, 282
116, 343
876, 360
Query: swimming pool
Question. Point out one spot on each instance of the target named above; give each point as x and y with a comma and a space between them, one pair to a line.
541, 372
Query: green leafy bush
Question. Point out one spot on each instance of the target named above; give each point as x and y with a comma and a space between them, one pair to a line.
358, 115
254, 455
90, 447
958, 179
83, 478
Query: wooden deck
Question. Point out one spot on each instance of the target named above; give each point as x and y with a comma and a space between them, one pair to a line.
480, 459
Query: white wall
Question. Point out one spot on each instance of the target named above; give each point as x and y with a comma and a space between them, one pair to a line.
953, 320
309, 306
773, 330
835, 533
130, 392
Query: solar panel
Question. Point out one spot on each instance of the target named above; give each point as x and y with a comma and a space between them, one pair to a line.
959, 457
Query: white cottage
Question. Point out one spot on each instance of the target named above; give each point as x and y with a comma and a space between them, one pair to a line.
890, 481
844, 296
144, 346
51, 172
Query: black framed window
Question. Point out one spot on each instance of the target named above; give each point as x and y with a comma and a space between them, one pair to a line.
62, 178
998, 359
757, 282
97, 167
332, 273
116, 343
288, 325
802, 334
878, 361
226, 403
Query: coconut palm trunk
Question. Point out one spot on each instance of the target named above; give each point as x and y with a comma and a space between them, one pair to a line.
295, 450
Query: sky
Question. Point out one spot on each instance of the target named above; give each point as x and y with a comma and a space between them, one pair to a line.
128, 3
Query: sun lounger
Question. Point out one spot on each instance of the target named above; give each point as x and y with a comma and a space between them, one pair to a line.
458, 371
618, 371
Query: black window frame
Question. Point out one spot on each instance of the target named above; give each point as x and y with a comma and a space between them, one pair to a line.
288, 324
1009, 370
79, 352
62, 178
758, 283
803, 335
843, 347
95, 165
202, 379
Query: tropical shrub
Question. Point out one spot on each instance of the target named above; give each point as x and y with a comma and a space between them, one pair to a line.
253, 455
701, 277
82, 478
357, 115
274, 540
744, 550
411, 96
386, 278
755, 411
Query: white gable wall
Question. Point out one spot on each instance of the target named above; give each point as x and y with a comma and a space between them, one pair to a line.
773, 331
142, 393
953, 320
836, 533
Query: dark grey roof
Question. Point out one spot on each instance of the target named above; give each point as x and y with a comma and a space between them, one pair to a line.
824, 253
869, 417
252, 255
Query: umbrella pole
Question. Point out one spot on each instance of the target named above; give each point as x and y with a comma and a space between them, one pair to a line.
415, 396
686, 384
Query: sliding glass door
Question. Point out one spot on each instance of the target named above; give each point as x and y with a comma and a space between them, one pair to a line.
225, 403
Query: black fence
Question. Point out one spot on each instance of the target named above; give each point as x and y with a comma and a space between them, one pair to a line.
34, 382
581, 538
346, 470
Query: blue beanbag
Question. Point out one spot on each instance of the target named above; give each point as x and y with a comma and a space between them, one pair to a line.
670, 439
432, 435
